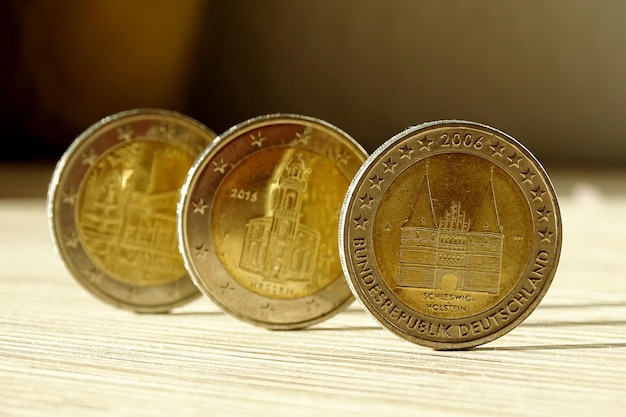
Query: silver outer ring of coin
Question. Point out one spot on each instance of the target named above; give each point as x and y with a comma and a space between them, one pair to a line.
350, 272
212, 278
64, 187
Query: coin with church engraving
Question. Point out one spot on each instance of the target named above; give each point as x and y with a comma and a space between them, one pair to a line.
112, 207
450, 234
259, 215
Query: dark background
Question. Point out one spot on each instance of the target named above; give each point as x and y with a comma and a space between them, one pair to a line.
550, 73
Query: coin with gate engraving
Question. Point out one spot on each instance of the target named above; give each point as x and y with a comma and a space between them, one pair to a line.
112, 207
259, 215
450, 234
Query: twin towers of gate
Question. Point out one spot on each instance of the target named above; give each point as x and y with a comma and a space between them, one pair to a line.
455, 253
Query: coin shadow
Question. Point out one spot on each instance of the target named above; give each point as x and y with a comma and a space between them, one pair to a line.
342, 328
587, 305
569, 346
352, 311
194, 313
576, 323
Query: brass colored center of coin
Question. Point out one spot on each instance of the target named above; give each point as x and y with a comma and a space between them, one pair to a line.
126, 212
452, 235
276, 231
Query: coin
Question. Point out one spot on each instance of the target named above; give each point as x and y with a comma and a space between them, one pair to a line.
259, 215
112, 207
450, 234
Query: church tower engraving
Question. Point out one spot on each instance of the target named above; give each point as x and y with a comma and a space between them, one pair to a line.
456, 251
277, 246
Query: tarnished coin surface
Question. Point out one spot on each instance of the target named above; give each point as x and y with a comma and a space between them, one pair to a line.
112, 207
259, 215
450, 234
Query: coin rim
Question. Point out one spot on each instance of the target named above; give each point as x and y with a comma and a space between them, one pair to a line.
344, 226
53, 189
225, 138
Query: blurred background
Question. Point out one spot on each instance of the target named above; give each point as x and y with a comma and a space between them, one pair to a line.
550, 73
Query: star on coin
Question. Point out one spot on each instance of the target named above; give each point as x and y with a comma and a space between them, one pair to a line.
220, 166
528, 176
69, 197
406, 151
366, 201
200, 206
302, 137
95, 275
168, 131
390, 165
311, 304
71, 240
257, 140
425, 143
90, 158
543, 214
125, 133
360, 222
376, 181
341, 155
266, 308
514, 160
538, 193
497, 149
546, 236
226, 287
201, 250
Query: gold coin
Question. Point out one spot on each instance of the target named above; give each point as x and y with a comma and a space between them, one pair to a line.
259, 215
112, 207
450, 234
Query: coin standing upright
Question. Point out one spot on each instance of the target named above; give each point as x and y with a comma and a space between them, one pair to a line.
112, 207
258, 220
450, 234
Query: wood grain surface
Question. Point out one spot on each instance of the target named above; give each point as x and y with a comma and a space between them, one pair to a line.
65, 353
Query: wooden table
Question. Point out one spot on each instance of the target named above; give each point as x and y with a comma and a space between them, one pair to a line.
65, 353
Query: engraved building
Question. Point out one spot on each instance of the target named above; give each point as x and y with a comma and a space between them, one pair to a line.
462, 253
278, 247
129, 223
